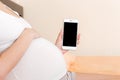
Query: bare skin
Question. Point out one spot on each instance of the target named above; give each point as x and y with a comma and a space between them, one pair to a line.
10, 57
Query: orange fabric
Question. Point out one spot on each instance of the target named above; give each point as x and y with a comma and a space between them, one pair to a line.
107, 65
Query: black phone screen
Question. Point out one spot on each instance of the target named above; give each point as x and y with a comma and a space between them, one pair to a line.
70, 34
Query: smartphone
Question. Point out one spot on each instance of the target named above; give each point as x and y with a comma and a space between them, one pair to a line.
70, 34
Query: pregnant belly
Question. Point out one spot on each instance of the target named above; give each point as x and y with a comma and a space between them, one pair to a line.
42, 61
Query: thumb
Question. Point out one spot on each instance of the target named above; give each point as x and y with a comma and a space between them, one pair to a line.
60, 35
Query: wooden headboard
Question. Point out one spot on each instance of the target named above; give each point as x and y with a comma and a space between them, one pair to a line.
14, 6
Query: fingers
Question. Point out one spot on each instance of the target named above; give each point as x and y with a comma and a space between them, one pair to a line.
32, 32
60, 35
78, 39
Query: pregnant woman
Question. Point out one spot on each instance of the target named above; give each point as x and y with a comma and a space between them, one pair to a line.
24, 55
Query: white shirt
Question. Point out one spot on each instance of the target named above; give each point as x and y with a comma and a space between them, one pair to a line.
42, 60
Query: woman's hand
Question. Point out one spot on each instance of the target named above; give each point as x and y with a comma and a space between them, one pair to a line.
58, 42
30, 32
18, 48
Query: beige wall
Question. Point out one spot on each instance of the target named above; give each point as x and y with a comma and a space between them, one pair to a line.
99, 22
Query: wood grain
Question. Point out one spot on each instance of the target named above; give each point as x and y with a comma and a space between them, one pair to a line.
96, 77
106, 65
